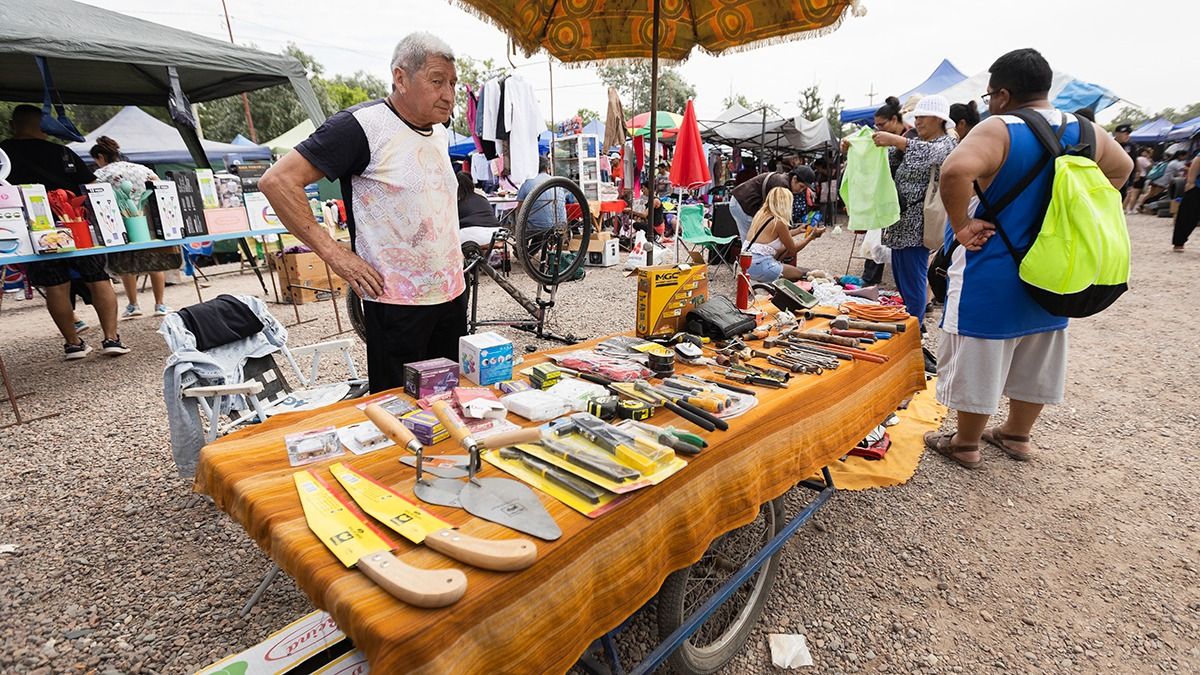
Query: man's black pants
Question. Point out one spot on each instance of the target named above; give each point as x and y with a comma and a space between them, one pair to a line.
400, 334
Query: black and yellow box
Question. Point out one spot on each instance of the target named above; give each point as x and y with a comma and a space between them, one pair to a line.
666, 293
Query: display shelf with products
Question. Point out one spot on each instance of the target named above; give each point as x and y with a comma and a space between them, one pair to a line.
577, 158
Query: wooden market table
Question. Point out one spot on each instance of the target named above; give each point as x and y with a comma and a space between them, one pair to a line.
541, 619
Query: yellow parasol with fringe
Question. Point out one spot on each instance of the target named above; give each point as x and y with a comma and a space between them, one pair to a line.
582, 31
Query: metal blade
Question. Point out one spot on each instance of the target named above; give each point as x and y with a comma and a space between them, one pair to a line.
439, 491
511, 504
442, 466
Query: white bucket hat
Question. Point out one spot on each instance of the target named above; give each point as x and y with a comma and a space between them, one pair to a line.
933, 106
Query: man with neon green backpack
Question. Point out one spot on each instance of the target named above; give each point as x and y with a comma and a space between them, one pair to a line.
1062, 237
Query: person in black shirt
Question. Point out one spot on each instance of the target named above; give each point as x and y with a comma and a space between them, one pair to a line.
476, 217
36, 159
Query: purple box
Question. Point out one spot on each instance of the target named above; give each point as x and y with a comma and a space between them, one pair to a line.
425, 426
426, 378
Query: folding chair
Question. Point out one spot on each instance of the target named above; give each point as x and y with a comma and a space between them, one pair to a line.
263, 390
695, 235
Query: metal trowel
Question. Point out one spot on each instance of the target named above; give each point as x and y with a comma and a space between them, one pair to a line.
500, 500
439, 490
442, 466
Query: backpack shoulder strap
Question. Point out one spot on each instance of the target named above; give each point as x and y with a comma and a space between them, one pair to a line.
1042, 130
766, 180
1086, 147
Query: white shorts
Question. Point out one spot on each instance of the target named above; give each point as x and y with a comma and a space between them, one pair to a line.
974, 372
479, 235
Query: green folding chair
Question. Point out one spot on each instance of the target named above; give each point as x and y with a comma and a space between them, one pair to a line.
695, 235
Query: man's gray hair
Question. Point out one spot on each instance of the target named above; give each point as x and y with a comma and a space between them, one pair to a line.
412, 52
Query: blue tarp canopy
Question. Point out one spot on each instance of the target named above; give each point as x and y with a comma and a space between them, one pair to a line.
1184, 130
1152, 132
147, 140
1079, 94
943, 77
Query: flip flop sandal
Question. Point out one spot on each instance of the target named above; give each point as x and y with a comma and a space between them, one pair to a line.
942, 445
997, 438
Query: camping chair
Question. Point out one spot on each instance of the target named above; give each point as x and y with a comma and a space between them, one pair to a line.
695, 236
263, 390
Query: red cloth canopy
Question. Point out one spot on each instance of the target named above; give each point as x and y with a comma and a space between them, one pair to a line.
689, 167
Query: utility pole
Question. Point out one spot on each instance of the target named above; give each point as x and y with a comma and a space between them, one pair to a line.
245, 98
870, 94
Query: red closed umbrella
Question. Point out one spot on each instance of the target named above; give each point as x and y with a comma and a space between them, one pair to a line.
689, 167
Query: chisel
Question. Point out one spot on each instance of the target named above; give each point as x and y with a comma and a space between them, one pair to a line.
576, 486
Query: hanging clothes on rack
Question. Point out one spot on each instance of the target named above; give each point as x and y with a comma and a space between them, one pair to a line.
490, 104
503, 120
472, 108
523, 123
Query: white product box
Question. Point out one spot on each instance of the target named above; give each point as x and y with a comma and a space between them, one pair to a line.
37, 207
485, 358
283, 650
208, 188
609, 254
108, 228
164, 209
14, 229
351, 663
262, 215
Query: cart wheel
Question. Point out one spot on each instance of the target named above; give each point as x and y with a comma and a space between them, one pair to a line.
354, 309
726, 631
540, 247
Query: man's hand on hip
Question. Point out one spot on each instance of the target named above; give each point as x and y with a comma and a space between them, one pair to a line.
366, 281
975, 234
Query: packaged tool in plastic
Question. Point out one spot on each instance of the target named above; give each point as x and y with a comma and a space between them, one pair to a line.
581, 495
584, 361
536, 405
311, 446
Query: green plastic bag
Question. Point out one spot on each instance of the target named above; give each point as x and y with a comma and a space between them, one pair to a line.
867, 187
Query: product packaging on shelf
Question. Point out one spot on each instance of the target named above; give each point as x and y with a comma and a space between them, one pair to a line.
108, 227
163, 209
14, 230
433, 376
485, 358
666, 293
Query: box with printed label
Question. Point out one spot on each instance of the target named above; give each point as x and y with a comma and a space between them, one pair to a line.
608, 255
108, 227
485, 358
58, 240
284, 650
433, 376
191, 206
261, 214
14, 230
163, 209
666, 293
207, 184
37, 207
224, 221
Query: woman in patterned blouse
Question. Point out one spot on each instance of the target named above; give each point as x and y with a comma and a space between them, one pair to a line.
910, 258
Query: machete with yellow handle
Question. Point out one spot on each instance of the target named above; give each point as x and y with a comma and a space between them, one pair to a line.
357, 544
419, 526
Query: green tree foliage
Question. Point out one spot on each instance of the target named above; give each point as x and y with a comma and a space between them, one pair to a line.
1136, 117
810, 103
85, 117
345, 91
740, 99
587, 115
834, 114
632, 81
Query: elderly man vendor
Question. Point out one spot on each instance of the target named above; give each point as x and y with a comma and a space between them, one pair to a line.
402, 210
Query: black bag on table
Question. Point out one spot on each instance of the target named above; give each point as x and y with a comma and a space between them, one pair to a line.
718, 319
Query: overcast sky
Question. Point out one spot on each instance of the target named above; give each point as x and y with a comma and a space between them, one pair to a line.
1124, 46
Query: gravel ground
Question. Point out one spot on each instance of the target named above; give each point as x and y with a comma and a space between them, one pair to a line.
1084, 560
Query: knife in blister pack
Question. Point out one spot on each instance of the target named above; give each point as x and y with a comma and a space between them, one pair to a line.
356, 543
421, 527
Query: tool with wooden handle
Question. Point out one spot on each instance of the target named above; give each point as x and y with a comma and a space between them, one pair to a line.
357, 543
500, 500
439, 491
421, 527
844, 322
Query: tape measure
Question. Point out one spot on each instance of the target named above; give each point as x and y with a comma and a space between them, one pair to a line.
634, 410
604, 407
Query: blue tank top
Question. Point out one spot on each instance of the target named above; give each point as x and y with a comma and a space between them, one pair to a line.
985, 298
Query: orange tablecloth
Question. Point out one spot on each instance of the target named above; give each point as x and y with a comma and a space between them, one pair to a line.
601, 571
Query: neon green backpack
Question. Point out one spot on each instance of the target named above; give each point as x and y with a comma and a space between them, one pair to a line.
1079, 261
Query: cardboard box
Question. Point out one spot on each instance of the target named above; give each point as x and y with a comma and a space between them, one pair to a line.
37, 207
162, 209
224, 221
284, 649
350, 663
259, 211
607, 256
305, 269
14, 229
207, 184
666, 293
485, 358
108, 227
57, 240
433, 376
191, 206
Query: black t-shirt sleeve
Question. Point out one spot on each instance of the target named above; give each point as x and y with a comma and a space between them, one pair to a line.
338, 148
83, 174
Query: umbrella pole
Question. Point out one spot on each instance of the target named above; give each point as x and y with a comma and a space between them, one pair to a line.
653, 168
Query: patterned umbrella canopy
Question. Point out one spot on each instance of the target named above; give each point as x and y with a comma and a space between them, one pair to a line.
595, 30
667, 123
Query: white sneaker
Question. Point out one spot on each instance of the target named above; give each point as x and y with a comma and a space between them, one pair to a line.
162, 310
130, 312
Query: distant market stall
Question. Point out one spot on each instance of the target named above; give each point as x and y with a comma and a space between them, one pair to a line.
145, 139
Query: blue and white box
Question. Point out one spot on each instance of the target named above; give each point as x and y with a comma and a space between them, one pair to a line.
485, 358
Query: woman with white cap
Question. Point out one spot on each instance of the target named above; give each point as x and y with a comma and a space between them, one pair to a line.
910, 258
